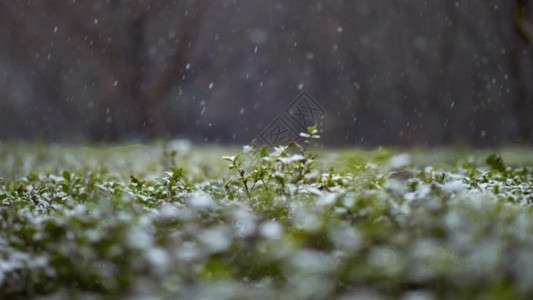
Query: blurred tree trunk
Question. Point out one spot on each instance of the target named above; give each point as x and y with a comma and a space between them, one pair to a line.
112, 47
523, 103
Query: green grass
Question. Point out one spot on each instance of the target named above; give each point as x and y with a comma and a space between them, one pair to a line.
172, 220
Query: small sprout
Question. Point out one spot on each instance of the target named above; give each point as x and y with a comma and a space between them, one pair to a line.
496, 162
134, 180
231, 158
177, 173
312, 129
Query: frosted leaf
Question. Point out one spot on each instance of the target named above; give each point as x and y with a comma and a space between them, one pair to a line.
291, 159
188, 251
139, 238
347, 238
308, 222
180, 145
312, 261
168, 211
328, 199
200, 200
244, 223
400, 161
418, 295
230, 158
271, 230
315, 191
454, 186
216, 239
158, 257
387, 259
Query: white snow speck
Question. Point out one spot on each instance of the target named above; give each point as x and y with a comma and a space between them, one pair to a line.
300, 86
211, 85
339, 29
55, 29
242, 111
95, 21
115, 83
187, 66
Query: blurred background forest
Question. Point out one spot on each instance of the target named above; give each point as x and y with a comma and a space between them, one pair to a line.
391, 72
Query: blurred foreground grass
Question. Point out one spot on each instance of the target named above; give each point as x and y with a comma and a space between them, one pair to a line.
173, 220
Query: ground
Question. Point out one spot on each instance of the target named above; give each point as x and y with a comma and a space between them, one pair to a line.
175, 220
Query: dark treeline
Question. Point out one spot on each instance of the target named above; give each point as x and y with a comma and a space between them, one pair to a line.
385, 71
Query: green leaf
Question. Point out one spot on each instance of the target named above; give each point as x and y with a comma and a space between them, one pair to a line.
66, 175
177, 173
312, 129
231, 158
133, 179
496, 162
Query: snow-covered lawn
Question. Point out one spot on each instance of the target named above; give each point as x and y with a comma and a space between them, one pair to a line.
179, 221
